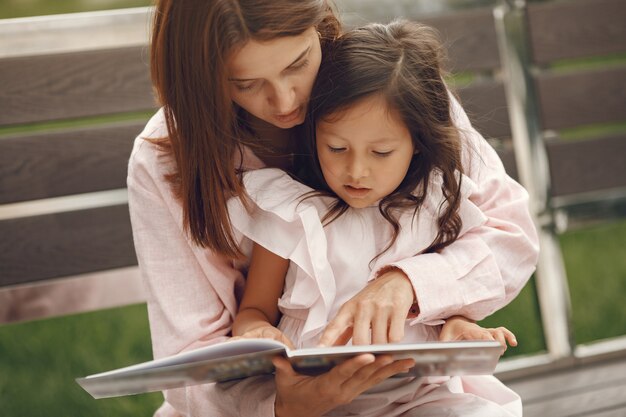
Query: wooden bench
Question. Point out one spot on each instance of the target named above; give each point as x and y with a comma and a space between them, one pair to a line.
63, 209
63, 204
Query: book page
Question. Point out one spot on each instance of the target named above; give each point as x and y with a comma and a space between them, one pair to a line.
431, 358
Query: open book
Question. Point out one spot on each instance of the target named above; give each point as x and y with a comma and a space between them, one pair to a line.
248, 357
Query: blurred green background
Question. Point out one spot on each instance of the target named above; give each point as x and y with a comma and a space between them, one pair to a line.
39, 360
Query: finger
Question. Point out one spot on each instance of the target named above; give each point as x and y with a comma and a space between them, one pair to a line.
361, 377
380, 328
283, 368
510, 336
384, 367
480, 335
361, 326
499, 336
344, 337
336, 328
346, 370
445, 335
286, 341
396, 328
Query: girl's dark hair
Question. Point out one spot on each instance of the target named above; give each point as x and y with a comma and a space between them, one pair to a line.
401, 62
191, 42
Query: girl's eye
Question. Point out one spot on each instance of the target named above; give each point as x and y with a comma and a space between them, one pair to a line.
382, 154
336, 150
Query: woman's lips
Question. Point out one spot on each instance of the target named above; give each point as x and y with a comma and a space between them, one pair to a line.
356, 192
289, 117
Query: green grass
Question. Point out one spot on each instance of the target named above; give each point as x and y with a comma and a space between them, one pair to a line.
22, 8
39, 361
595, 260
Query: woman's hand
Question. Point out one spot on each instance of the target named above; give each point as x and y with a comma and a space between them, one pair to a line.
382, 307
313, 396
460, 328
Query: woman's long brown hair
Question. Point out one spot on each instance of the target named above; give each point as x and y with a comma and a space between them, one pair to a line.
402, 62
191, 42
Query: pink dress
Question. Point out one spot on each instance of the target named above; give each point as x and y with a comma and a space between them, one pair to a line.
192, 291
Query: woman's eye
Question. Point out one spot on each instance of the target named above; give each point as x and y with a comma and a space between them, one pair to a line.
245, 87
382, 154
300, 65
336, 150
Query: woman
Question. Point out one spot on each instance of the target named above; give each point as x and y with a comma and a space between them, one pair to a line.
234, 78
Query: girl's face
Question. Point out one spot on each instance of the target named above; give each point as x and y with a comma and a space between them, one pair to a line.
272, 80
365, 152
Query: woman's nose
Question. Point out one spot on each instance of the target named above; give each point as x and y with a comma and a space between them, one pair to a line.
284, 97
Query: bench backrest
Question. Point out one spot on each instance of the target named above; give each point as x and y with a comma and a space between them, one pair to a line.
68, 119
72, 174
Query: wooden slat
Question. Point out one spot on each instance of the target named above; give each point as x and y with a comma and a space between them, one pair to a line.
62, 244
576, 28
583, 166
485, 103
583, 390
508, 160
62, 86
470, 37
544, 386
582, 97
600, 398
55, 164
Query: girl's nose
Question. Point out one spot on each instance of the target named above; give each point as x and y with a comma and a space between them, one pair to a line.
357, 168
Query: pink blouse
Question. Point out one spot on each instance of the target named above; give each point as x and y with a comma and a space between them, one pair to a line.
191, 292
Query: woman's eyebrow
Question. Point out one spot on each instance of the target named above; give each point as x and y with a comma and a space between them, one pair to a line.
299, 58
294, 62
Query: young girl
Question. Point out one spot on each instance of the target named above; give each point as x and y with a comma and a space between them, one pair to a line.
382, 144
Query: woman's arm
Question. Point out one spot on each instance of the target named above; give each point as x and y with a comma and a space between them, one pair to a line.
479, 273
487, 267
258, 312
190, 291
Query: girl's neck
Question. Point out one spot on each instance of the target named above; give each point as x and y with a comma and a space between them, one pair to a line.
275, 146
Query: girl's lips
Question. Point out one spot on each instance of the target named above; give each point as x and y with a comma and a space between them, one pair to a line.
355, 192
289, 117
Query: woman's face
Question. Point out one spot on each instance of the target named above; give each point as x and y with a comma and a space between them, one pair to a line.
364, 151
272, 80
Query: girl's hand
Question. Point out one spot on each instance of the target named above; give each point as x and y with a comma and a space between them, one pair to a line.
266, 332
314, 396
377, 314
460, 328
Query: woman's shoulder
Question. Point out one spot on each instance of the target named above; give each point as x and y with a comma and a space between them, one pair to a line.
149, 164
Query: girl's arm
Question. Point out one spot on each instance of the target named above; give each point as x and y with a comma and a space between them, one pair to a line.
258, 311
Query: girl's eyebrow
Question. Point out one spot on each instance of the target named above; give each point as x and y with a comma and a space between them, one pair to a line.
384, 139
294, 62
